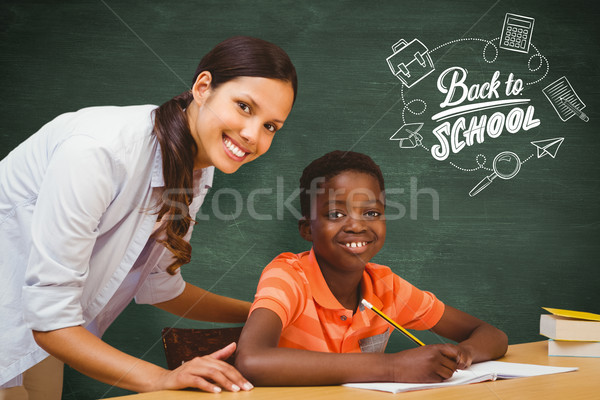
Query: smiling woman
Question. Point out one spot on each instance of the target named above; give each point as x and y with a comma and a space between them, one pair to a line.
96, 208
220, 119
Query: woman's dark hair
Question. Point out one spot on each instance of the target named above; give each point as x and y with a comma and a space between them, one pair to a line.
235, 57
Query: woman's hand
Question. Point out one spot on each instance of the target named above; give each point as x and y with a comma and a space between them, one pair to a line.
89, 355
209, 373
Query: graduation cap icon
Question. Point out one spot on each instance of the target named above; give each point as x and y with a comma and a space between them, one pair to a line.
408, 135
547, 147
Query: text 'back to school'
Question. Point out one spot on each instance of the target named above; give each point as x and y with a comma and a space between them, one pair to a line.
461, 99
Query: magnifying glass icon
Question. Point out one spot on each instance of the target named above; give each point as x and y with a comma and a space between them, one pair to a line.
506, 165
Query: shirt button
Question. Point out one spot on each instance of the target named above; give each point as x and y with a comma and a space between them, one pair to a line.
343, 318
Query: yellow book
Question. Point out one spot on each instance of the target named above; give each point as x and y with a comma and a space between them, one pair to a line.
570, 325
571, 333
573, 314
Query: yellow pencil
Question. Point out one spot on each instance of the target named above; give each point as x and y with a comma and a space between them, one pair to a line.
392, 322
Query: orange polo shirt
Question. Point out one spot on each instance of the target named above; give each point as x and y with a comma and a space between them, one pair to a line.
293, 287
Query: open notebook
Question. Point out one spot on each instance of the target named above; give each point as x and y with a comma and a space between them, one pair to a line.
485, 371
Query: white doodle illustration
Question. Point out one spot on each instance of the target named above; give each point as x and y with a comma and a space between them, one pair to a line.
410, 62
408, 135
408, 104
516, 33
506, 165
547, 147
582, 116
565, 101
480, 160
542, 61
476, 108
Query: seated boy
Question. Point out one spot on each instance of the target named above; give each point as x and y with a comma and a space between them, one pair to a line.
307, 325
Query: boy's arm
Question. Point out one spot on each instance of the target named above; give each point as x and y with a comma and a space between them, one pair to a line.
263, 363
477, 340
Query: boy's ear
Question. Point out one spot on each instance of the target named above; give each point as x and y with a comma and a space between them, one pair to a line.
304, 228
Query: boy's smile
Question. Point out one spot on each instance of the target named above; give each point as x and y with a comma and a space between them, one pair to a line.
347, 227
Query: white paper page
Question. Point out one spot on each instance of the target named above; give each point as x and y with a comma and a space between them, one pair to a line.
506, 370
459, 378
479, 372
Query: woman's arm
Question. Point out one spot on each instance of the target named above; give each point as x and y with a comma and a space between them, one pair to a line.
263, 363
90, 355
478, 340
199, 304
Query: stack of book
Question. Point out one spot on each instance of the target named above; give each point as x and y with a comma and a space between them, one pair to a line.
571, 333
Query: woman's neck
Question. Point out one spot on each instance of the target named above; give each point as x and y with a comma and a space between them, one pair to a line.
191, 112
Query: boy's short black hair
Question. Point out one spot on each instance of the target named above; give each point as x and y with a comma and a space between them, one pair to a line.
332, 164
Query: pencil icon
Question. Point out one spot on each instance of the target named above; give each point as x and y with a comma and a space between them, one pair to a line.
574, 109
391, 322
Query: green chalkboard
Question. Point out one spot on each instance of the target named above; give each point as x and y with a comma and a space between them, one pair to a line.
518, 244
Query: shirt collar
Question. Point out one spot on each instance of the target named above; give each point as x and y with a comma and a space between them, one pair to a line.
203, 178
321, 292
157, 171
367, 291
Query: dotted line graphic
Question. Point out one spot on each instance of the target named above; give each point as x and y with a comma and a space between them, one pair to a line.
402, 94
495, 50
543, 60
483, 53
480, 160
527, 159
464, 169
407, 108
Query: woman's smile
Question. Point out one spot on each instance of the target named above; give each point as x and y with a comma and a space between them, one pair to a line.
234, 150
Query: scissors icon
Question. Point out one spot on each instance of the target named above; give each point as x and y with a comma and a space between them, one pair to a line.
505, 165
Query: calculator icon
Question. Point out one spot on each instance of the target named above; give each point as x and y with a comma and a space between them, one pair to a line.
516, 33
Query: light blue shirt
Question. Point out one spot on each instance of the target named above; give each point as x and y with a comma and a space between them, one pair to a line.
77, 208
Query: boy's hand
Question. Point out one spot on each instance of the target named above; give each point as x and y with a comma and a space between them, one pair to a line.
432, 363
465, 357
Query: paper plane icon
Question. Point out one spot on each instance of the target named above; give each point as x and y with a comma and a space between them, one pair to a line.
547, 147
